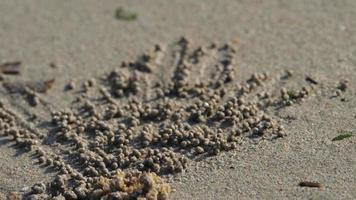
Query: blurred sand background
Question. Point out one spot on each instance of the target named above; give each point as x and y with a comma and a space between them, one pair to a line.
83, 39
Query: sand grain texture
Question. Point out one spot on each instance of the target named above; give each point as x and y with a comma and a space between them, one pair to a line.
312, 38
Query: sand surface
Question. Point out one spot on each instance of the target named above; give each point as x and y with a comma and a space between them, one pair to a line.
83, 39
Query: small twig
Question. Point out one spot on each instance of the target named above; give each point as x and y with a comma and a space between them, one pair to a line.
309, 184
311, 80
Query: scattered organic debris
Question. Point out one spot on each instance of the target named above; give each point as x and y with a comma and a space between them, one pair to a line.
311, 80
342, 136
309, 184
10, 68
123, 14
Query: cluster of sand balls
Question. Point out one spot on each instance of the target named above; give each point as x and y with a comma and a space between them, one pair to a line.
70, 184
23, 137
122, 185
124, 130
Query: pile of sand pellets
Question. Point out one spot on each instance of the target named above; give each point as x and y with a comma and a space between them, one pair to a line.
130, 129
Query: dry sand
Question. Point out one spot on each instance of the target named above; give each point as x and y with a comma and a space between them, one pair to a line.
318, 38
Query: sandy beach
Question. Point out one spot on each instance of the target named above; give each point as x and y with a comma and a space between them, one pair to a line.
186, 65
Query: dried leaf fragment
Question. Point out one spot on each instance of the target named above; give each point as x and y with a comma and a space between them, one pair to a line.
47, 85
10, 68
342, 136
